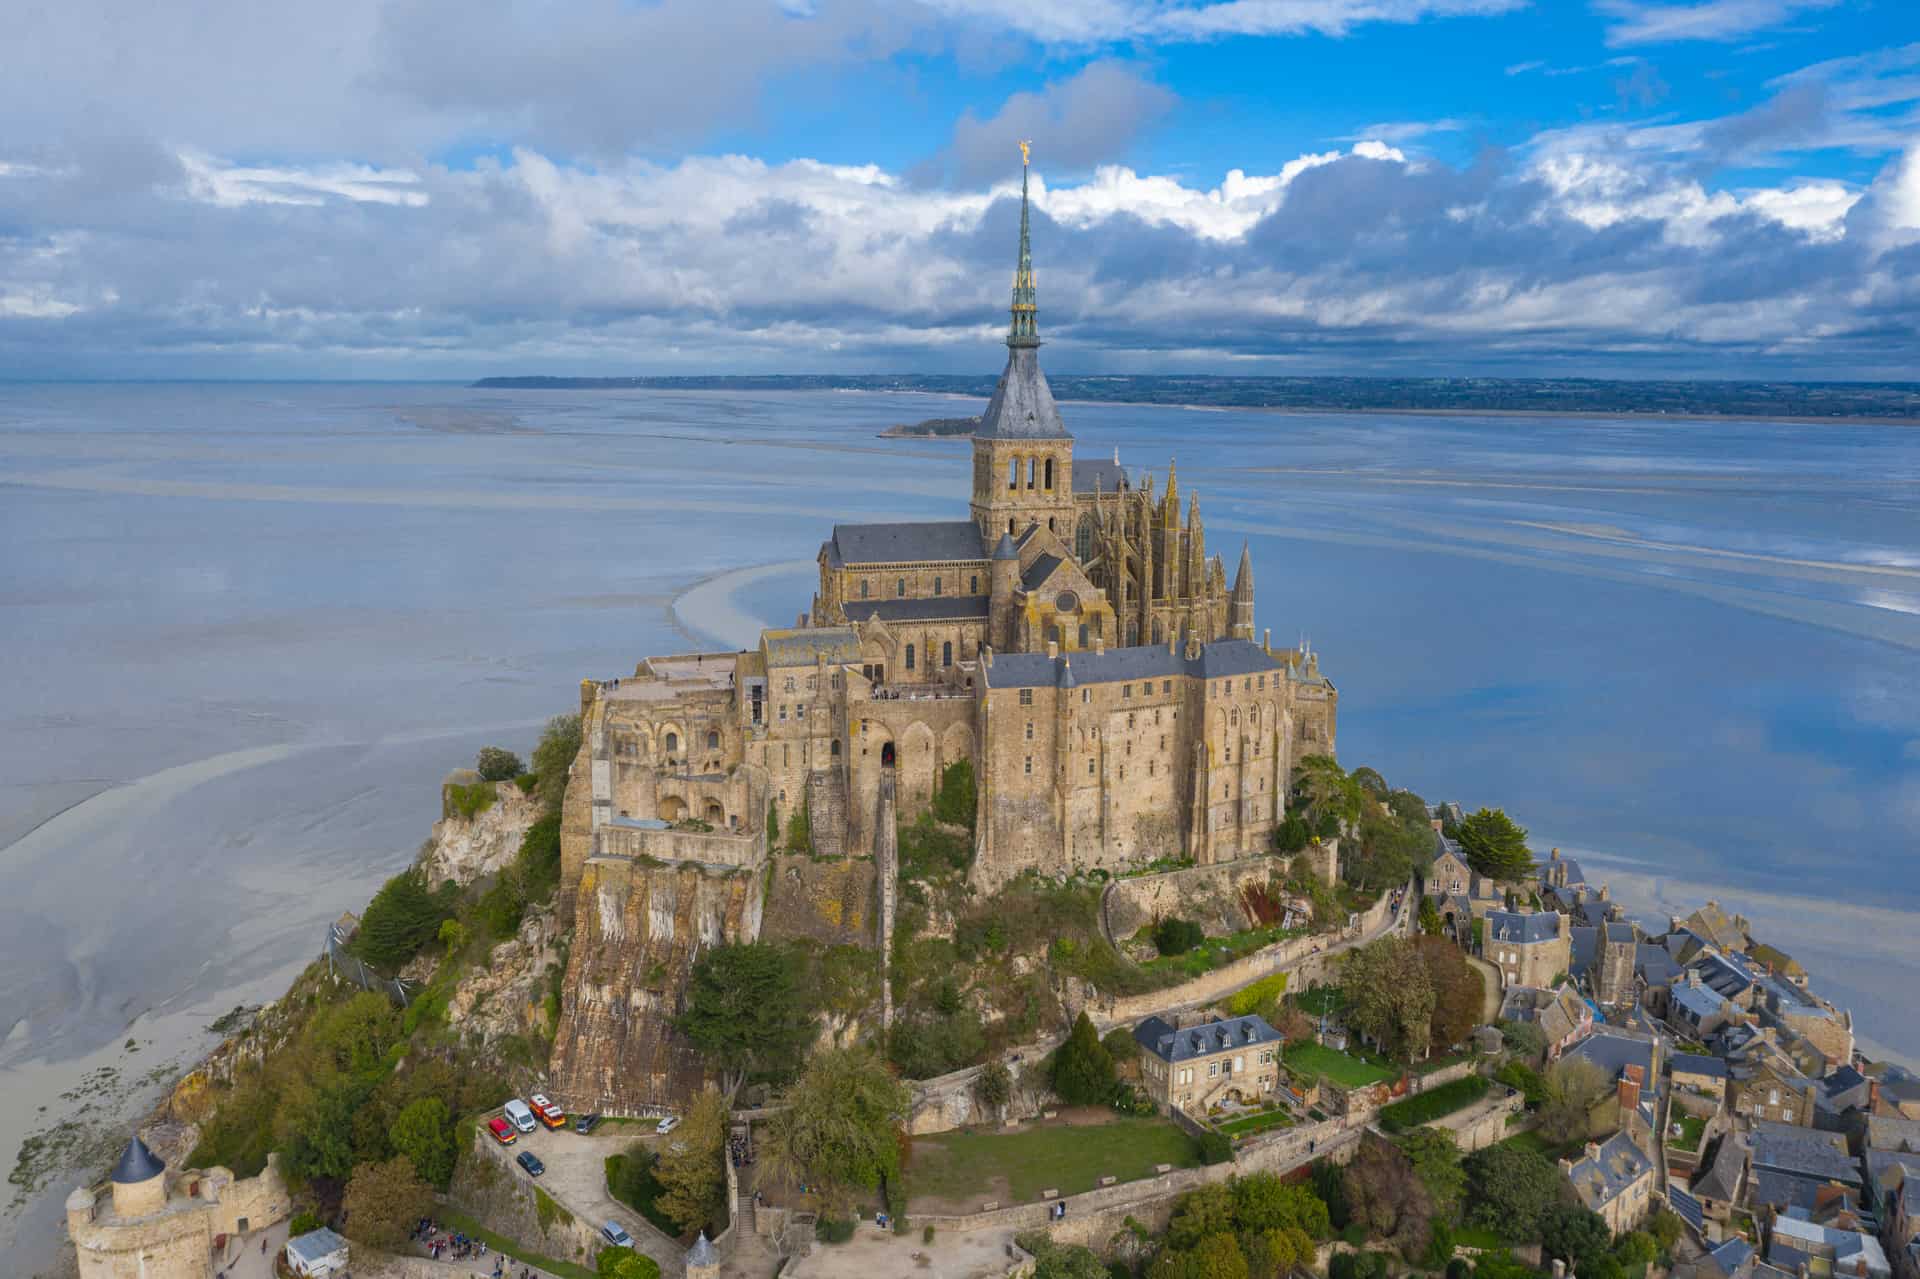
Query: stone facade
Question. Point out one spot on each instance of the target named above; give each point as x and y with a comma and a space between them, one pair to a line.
1191, 1068
149, 1223
1531, 948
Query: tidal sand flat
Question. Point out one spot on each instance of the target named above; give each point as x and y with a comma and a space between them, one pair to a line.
259, 623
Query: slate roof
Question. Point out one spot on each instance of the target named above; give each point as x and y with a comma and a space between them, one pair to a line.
1721, 1180
1699, 1064
137, 1164
1620, 933
1168, 1043
1731, 1254
1219, 659
1586, 948
315, 1245
1655, 965
1801, 1238
1602, 1178
940, 608
1891, 1132
1699, 1002
1110, 476
802, 646
1040, 570
1802, 1152
905, 542
1723, 973
1522, 927
1613, 1052
1022, 406
702, 1253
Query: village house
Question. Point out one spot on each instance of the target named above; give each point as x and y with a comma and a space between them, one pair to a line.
1697, 1073
1800, 1246
1530, 948
1193, 1068
1766, 1088
1798, 1167
1562, 1016
1631, 1062
1722, 1186
1615, 1180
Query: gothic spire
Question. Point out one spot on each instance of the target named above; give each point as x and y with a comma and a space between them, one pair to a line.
1025, 329
1243, 578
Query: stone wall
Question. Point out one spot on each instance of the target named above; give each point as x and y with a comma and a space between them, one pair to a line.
487, 1189
1208, 895
831, 902
1483, 1123
638, 930
715, 848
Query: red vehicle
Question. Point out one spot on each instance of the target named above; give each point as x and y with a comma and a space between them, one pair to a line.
547, 1113
502, 1131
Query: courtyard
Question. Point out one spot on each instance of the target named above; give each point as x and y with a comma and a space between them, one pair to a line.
956, 1172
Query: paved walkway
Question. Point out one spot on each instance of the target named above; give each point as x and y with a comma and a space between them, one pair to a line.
1491, 990
576, 1178
247, 1261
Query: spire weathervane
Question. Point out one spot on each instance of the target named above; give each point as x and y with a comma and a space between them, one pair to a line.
1025, 329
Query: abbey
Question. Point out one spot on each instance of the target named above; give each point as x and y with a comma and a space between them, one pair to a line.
1072, 639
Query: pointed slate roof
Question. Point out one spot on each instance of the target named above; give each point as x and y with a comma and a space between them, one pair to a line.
1004, 549
702, 1253
137, 1164
1243, 576
1022, 406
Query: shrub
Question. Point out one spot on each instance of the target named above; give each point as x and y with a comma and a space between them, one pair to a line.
1213, 1147
495, 764
1261, 997
468, 802
1432, 1104
537, 864
829, 1230
402, 917
527, 782
1177, 936
953, 802
304, 1222
926, 1235
553, 757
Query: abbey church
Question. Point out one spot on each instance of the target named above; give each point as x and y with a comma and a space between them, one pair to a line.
1072, 639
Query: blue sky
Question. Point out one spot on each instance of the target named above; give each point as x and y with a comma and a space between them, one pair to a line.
437, 189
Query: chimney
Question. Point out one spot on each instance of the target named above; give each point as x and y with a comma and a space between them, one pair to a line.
1099, 645
1629, 1091
1593, 1150
1266, 640
1606, 894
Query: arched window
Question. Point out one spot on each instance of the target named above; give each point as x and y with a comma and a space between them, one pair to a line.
863, 588
673, 743
1033, 469
909, 657
1050, 527
946, 653
1083, 636
1010, 522
1013, 479
1085, 534
900, 588
834, 750
713, 740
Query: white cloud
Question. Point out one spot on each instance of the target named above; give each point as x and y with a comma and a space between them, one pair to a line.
1103, 21
217, 183
1648, 22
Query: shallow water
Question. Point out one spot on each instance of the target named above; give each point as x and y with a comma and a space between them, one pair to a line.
248, 628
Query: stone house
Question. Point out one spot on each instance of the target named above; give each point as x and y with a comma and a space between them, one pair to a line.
148, 1223
1562, 1016
1530, 948
1798, 1167
1799, 1246
1766, 1089
1615, 1180
1194, 1067
1698, 1073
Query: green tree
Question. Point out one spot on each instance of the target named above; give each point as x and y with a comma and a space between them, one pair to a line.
1435, 1157
1665, 1228
1177, 936
1205, 1210
1512, 1191
1571, 1087
1635, 1251
1292, 834
402, 917
384, 1201
1083, 1068
1275, 1254
1458, 995
1575, 1234
953, 802
1217, 1257
453, 935
423, 1132
1390, 996
355, 1036
304, 1222
1494, 845
744, 1013
840, 1127
625, 1263
1429, 916
1066, 1261
692, 1171
1262, 1201
537, 864
994, 1087
1523, 1039
496, 764
553, 758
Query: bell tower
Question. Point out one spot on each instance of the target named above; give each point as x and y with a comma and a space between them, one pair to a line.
1022, 454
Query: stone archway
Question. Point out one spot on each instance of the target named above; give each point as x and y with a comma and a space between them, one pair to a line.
956, 744
672, 808
716, 815
887, 758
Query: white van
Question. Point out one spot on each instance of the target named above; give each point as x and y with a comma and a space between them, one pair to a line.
522, 1117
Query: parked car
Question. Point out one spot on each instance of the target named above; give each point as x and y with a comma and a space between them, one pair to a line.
521, 1116
667, 1125
502, 1130
547, 1113
531, 1162
615, 1235
586, 1124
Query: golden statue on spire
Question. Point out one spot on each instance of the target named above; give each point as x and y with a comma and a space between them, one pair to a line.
1024, 148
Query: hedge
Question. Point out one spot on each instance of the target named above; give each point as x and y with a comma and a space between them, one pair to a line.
1425, 1107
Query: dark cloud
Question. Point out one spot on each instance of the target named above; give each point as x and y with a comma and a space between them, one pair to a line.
1092, 118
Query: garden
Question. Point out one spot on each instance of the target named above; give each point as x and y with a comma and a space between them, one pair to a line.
1307, 1059
957, 1171
1435, 1103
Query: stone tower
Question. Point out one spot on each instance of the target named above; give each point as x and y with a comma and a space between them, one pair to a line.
1240, 608
1022, 454
1003, 575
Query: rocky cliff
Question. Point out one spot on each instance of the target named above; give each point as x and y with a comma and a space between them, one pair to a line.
638, 929
466, 849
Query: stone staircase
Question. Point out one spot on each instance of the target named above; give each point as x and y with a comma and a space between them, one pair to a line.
827, 811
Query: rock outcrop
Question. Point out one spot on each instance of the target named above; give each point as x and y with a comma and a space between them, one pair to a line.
638, 929
466, 849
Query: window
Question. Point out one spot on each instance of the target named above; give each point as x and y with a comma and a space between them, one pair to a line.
1123, 772
673, 742
1050, 527
909, 657
1013, 482
1213, 1069
973, 584
800, 710
1150, 772
834, 749
1129, 719
1049, 485
946, 653
936, 586
900, 588
1029, 730
1263, 682
1032, 471
1089, 767
1126, 690
713, 740
786, 685
863, 588
1086, 696
1026, 697
1083, 635
1029, 764
1166, 686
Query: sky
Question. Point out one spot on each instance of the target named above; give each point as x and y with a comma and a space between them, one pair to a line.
442, 189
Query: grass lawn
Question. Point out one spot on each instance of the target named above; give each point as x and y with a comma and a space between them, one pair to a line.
499, 1243
1478, 1237
1342, 1068
1247, 1125
1691, 1127
1532, 1140
1434, 1103
960, 1166
1322, 1000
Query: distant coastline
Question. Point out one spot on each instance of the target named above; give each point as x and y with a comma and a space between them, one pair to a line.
1889, 403
933, 426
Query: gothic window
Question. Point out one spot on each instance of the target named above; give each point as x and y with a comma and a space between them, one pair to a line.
863, 588
1033, 469
1084, 534
900, 587
1013, 482
946, 653
713, 740
1235, 718
673, 743
936, 586
1049, 483
909, 657
1158, 638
